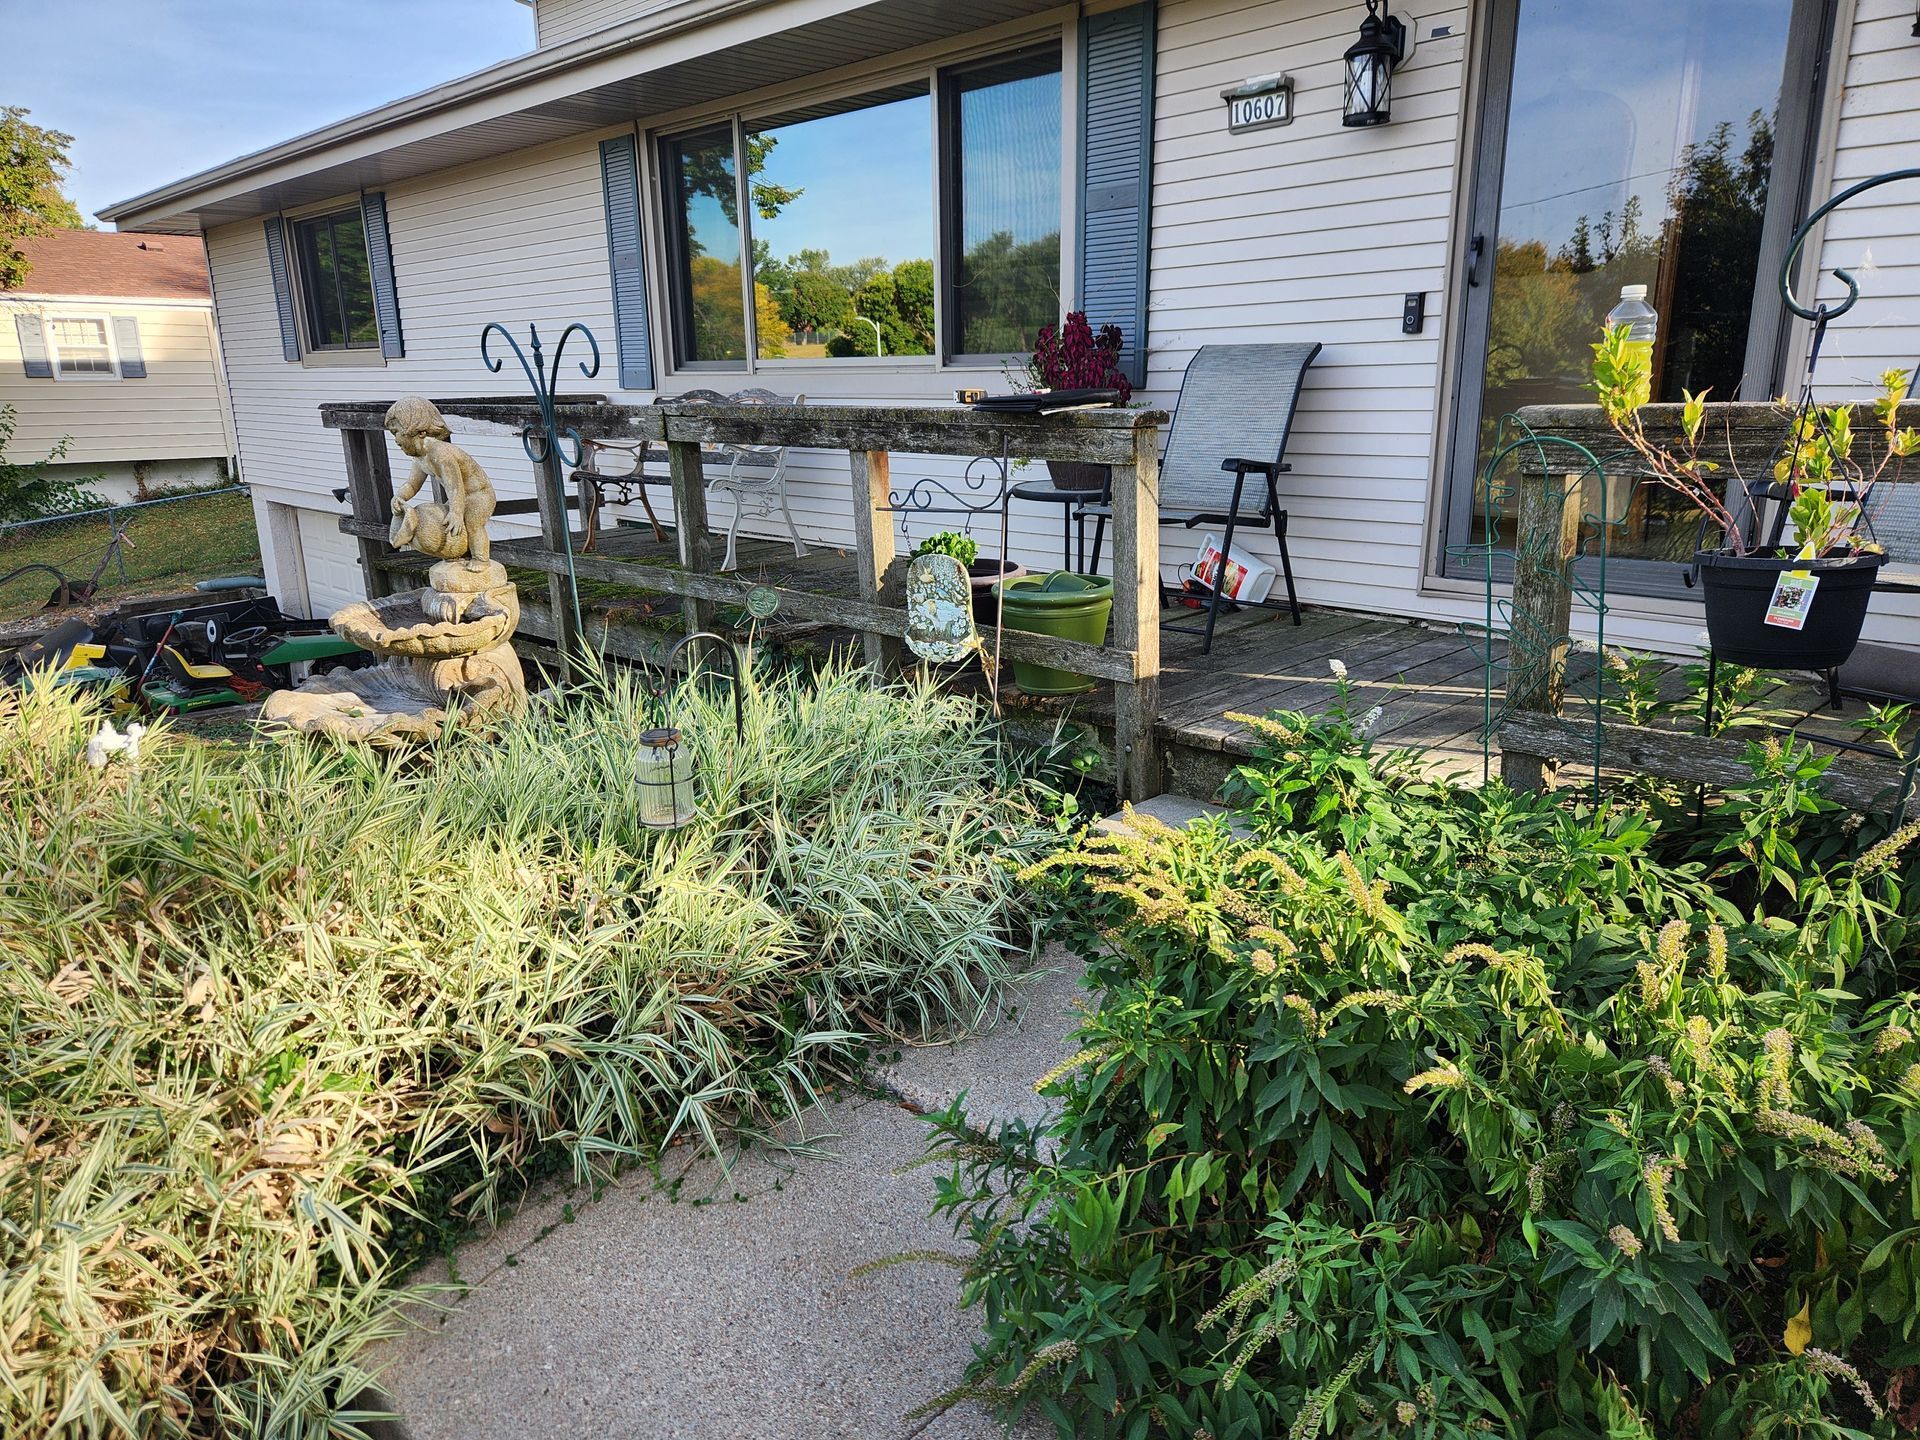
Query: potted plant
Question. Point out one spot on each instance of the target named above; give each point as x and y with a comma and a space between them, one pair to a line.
1076, 357
981, 574
1794, 606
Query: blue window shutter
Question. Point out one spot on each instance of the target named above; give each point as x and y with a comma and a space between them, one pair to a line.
1116, 162
620, 175
282, 287
33, 345
386, 300
126, 343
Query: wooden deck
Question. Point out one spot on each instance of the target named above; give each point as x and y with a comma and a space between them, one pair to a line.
1427, 679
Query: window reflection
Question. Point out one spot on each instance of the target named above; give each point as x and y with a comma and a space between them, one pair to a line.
711, 318
1005, 160
843, 230
1639, 151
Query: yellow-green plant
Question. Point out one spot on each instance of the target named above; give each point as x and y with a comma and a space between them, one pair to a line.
273, 1019
1818, 455
1445, 1113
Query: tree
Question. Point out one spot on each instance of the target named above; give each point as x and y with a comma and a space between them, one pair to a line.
818, 304
33, 163
708, 170
769, 325
900, 302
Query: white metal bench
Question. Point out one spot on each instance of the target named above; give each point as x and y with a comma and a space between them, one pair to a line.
755, 477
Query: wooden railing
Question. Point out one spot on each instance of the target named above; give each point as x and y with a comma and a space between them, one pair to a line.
871, 436
1549, 504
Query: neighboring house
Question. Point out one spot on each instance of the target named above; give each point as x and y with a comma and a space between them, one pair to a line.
1021, 157
109, 345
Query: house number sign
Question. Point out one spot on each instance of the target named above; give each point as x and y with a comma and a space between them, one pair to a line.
1259, 104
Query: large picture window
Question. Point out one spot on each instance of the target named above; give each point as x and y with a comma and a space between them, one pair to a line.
336, 282
843, 230
855, 242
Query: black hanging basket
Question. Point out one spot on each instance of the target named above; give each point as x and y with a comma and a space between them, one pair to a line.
1738, 589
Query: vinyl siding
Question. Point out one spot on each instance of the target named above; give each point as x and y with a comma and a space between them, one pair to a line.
1312, 231
175, 413
557, 21
519, 239
523, 239
1877, 237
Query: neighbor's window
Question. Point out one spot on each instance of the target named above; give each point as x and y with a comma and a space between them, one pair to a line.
835, 273
1003, 153
336, 283
843, 204
80, 345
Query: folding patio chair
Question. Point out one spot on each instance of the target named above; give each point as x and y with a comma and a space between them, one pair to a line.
1236, 401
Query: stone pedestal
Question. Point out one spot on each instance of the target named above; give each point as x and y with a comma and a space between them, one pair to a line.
448, 656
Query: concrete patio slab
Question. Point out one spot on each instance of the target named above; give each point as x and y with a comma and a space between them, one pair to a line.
997, 1068
722, 1307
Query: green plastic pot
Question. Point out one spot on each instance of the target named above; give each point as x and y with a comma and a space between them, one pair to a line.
1062, 604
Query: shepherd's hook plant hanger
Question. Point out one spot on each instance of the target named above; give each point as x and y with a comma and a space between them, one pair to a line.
546, 439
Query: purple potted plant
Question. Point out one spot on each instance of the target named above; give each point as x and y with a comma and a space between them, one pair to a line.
1076, 357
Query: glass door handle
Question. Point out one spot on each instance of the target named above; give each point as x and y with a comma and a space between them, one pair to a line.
1476, 247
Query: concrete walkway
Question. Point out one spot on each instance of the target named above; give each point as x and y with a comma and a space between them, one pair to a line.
722, 1306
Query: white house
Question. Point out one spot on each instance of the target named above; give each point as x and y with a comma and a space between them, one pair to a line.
1454, 260
109, 347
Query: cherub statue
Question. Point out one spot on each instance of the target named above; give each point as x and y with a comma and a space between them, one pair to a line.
458, 528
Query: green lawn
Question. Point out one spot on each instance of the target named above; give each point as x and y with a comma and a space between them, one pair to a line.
167, 548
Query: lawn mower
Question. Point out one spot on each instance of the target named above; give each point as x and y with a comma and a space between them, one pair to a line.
222, 653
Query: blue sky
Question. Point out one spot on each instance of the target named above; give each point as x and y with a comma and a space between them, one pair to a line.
152, 90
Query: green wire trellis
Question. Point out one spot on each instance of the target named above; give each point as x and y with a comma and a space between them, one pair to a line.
1564, 466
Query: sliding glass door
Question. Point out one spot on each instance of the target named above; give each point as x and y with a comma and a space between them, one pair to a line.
1662, 143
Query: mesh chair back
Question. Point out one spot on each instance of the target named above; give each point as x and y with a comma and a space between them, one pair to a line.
1236, 401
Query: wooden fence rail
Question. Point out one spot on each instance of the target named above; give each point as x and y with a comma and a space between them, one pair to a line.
1548, 510
871, 436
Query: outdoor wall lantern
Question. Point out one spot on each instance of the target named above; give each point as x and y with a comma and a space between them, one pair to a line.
664, 768
1370, 63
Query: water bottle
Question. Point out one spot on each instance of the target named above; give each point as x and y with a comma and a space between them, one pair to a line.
1643, 327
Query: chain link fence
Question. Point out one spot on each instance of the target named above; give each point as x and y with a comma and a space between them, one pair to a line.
97, 558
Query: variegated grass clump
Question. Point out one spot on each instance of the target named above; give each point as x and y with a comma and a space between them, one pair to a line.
273, 1015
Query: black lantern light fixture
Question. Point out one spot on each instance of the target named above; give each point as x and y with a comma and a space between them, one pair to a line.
1370, 64
664, 770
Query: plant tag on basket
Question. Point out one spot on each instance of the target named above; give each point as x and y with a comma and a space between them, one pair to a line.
1792, 599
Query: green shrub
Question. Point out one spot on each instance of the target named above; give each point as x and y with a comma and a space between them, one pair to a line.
949, 542
272, 1019
1439, 1112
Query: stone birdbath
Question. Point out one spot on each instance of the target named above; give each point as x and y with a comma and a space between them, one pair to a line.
446, 649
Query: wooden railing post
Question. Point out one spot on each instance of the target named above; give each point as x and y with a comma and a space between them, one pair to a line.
873, 545
549, 485
1136, 617
370, 493
1547, 536
690, 523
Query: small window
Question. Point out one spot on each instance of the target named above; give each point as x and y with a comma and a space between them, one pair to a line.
80, 346
709, 302
835, 274
1002, 163
336, 282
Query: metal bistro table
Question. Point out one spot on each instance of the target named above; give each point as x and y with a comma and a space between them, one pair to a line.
1073, 526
